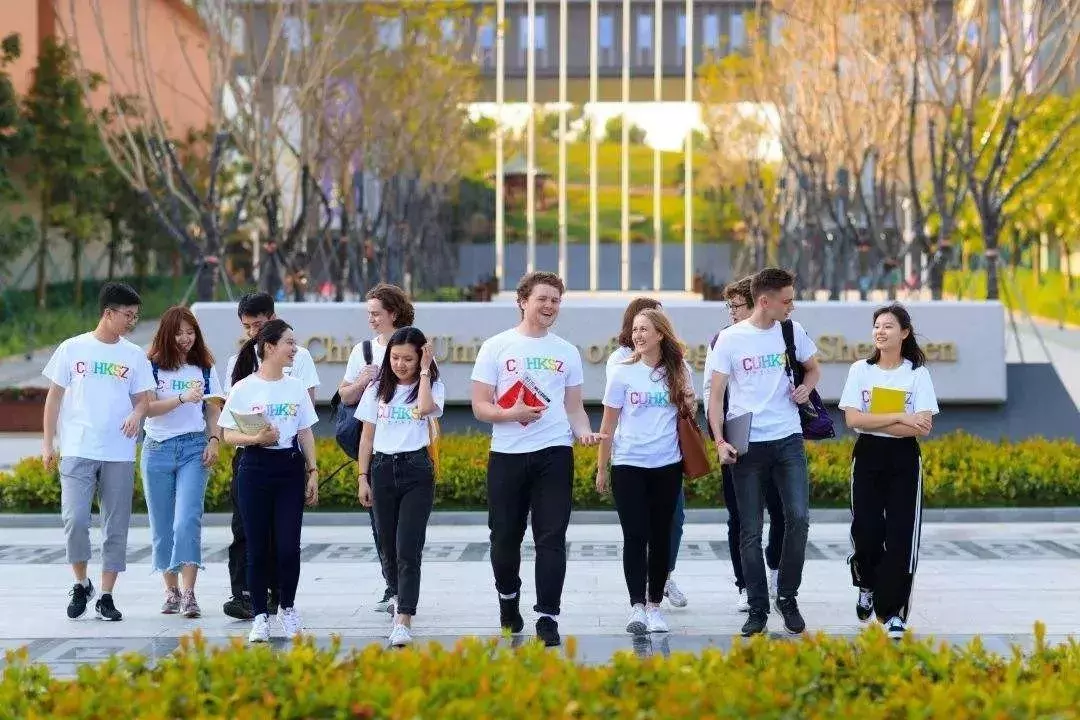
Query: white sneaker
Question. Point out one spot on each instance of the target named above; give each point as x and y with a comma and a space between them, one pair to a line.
400, 636
895, 627
656, 622
260, 629
638, 624
290, 622
742, 605
774, 582
674, 595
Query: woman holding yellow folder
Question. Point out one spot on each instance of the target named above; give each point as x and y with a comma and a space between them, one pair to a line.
889, 401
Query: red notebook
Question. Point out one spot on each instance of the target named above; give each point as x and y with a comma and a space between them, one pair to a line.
534, 395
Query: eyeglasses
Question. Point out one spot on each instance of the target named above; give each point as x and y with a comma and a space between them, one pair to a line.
131, 315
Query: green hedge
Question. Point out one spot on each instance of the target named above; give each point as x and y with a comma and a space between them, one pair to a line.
867, 677
1051, 297
960, 471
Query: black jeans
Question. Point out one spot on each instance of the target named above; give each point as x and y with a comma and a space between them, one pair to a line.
403, 490
886, 520
540, 482
238, 546
776, 526
271, 493
783, 463
645, 500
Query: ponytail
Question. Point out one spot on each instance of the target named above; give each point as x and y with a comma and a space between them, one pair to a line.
245, 362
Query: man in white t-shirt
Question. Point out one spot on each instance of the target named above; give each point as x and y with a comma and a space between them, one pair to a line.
749, 362
254, 311
527, 384
99, 391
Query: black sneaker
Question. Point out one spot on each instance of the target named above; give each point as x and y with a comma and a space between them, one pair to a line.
384, 604
793, 619
272, 602
106, 610
80, 596
864, 606
547, 630
756, 623
510, 615
239, 607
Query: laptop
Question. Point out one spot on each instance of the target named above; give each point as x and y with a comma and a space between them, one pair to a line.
737, 432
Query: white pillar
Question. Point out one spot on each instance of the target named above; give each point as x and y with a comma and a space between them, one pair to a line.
562, 139
624, 202
688, 156
658, 227
594, 219
500, 217
530, 140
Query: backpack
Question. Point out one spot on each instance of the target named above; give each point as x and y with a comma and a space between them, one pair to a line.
708, 426
346, 426
815, 420
205, 377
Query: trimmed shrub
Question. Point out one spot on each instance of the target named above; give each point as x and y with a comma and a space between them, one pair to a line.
959, 471
866, 677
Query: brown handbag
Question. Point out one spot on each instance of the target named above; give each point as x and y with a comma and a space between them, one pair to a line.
692, 444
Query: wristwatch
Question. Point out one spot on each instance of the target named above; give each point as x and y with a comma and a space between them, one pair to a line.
425, 373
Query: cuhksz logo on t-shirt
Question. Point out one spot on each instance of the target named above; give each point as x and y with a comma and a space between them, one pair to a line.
650, 399
177, 385
108, 369
398, 413
759, 364
866, 398
277, 409
535, 363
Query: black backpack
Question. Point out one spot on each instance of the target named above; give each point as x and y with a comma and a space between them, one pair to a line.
708, 427
205, 377
346, 426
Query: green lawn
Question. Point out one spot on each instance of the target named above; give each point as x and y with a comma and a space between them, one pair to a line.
1050, 297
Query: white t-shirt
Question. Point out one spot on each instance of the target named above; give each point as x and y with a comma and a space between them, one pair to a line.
284, 403
617, 356
303, 368
863, 378
189, 417
756, 365
647, 434
356, 363
398, 424
98, 379
553, 364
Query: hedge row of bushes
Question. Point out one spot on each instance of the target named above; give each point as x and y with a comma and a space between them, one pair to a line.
959, 471
867, 677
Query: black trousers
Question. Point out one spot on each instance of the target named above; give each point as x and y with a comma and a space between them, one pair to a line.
645, 500
776, 526
886, 520
238, 546
403, 487
539, 483
271, 486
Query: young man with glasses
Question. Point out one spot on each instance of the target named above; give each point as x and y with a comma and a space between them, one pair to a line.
749, 363
254, 311
740, 302
99, 393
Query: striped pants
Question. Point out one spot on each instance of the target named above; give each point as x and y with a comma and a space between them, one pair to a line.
886, 520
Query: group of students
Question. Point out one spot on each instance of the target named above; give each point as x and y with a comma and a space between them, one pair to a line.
527, 383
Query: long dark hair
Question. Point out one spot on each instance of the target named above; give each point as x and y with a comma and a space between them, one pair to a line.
636, 305
165, 353
909, 348
387, 380
269, 334
671, 358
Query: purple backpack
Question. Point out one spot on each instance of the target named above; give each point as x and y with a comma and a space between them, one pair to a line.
816, 423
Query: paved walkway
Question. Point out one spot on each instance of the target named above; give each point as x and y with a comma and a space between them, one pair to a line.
994, 580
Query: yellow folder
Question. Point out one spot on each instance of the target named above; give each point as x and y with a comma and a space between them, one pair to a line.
885, 400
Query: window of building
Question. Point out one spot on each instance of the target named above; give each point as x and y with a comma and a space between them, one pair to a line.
644, 38
710, 32
539, 39
295, 32
738, 31
390, 32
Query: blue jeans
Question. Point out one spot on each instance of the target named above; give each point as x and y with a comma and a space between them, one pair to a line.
784, 463
174, 482
676, 528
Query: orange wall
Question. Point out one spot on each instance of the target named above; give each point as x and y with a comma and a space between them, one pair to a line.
173, 50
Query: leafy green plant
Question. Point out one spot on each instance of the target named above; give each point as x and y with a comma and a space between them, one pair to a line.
867, 677
959, 471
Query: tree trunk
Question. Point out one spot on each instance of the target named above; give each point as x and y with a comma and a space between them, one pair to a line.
76, 269
114, 245
991, 236
207, 282
43, 247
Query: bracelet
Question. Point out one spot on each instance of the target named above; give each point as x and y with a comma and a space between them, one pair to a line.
425, 373
362, 475
214, 437
312, 469
181, 399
